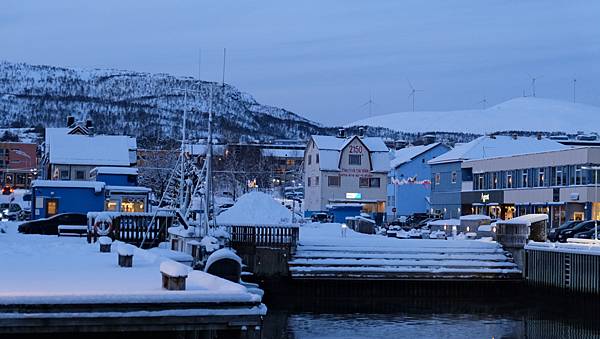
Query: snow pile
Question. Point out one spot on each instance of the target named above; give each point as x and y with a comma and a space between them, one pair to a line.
223, 253
255, 208
209, 243
105, 240
174, 269
125, 250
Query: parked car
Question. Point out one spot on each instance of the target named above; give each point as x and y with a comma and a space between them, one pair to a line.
321, 217
589, 234
11, 212
555, 232
7, 190
50, 225
580, 228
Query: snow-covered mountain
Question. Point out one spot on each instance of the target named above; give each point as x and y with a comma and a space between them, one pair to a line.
148, 106
519, 114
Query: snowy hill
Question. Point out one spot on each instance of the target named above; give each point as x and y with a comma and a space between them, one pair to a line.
519, 114
146, 105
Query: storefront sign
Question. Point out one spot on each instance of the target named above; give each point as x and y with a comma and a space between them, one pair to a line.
356, 172
354, 196
482, 197
485, 197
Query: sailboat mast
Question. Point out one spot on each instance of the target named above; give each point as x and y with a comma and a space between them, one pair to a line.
183, 136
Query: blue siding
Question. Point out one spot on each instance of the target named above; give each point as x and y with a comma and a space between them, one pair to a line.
70, 200
413, 198
445, 197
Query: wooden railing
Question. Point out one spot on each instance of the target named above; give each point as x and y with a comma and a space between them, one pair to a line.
277, 236
131, 227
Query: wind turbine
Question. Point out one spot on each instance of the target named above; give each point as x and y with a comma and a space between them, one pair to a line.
533, 80
412, 93
370, 103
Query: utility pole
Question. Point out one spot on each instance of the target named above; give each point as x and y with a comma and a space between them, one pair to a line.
574, 83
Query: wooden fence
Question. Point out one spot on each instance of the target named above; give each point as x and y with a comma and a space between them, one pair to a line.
275, 236
131, 227
573, 272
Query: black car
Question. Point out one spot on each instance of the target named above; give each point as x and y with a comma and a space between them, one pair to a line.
50, 225
588, 234
555, 232
580, 228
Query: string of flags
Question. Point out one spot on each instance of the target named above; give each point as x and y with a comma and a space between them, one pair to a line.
410, 181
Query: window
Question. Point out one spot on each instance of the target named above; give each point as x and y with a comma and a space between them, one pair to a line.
79, 175
308, 182
64, 175
454, 177
317, 158
509, 182
111, 205
51, 207
333, 180
438, 178
494, 180
355, 159
578, 175
374, 182
480, 181
524, 179
541, 177
363, 182
316, 181
309, 159
559, 173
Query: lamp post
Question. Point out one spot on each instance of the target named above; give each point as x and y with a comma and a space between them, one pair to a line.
595, 169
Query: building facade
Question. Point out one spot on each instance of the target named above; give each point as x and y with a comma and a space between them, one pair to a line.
345, 172
409, 180
560, 183
18, 164
449, 179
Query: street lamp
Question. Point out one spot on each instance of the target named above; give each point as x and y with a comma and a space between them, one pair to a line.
595, 169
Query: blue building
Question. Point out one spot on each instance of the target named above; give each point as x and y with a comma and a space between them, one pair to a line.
409, 184
447, 174
113, 189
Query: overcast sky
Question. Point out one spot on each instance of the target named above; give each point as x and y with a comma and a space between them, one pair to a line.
323, 59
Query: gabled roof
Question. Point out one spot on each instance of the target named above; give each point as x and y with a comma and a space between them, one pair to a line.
501, 145
407, 154
330, 149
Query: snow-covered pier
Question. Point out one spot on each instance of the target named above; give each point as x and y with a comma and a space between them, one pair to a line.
57, 284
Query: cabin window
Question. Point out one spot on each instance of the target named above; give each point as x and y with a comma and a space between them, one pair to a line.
111, 205
355, 159
132, 205
438, 178
333, 180
51, 207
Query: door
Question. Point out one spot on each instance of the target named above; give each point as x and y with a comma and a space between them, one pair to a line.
51, 207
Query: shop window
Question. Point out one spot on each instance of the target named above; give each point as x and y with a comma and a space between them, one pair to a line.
132, 205
333, 180
541, 177
509, 182
111, 205
480, 182
355, 159
64, 175
363, 182
374, 182
524, 179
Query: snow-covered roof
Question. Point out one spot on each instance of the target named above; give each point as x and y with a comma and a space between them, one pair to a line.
330, 149
96, 185
115, 170
108, 150
526, 219
486, 147
282, 153
444, 222
201, 149
406, 154
128, 189
475, 217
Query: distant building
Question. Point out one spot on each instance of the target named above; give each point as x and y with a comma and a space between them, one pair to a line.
409, 182
18, 164
71, 153
345, 175
448, 175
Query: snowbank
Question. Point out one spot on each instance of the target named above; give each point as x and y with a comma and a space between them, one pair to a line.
255, 208
125, 250
210, 243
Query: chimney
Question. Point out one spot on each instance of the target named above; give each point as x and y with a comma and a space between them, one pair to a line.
341, 133
514, 136
88, 123
361, 131
539, 136
70, 121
